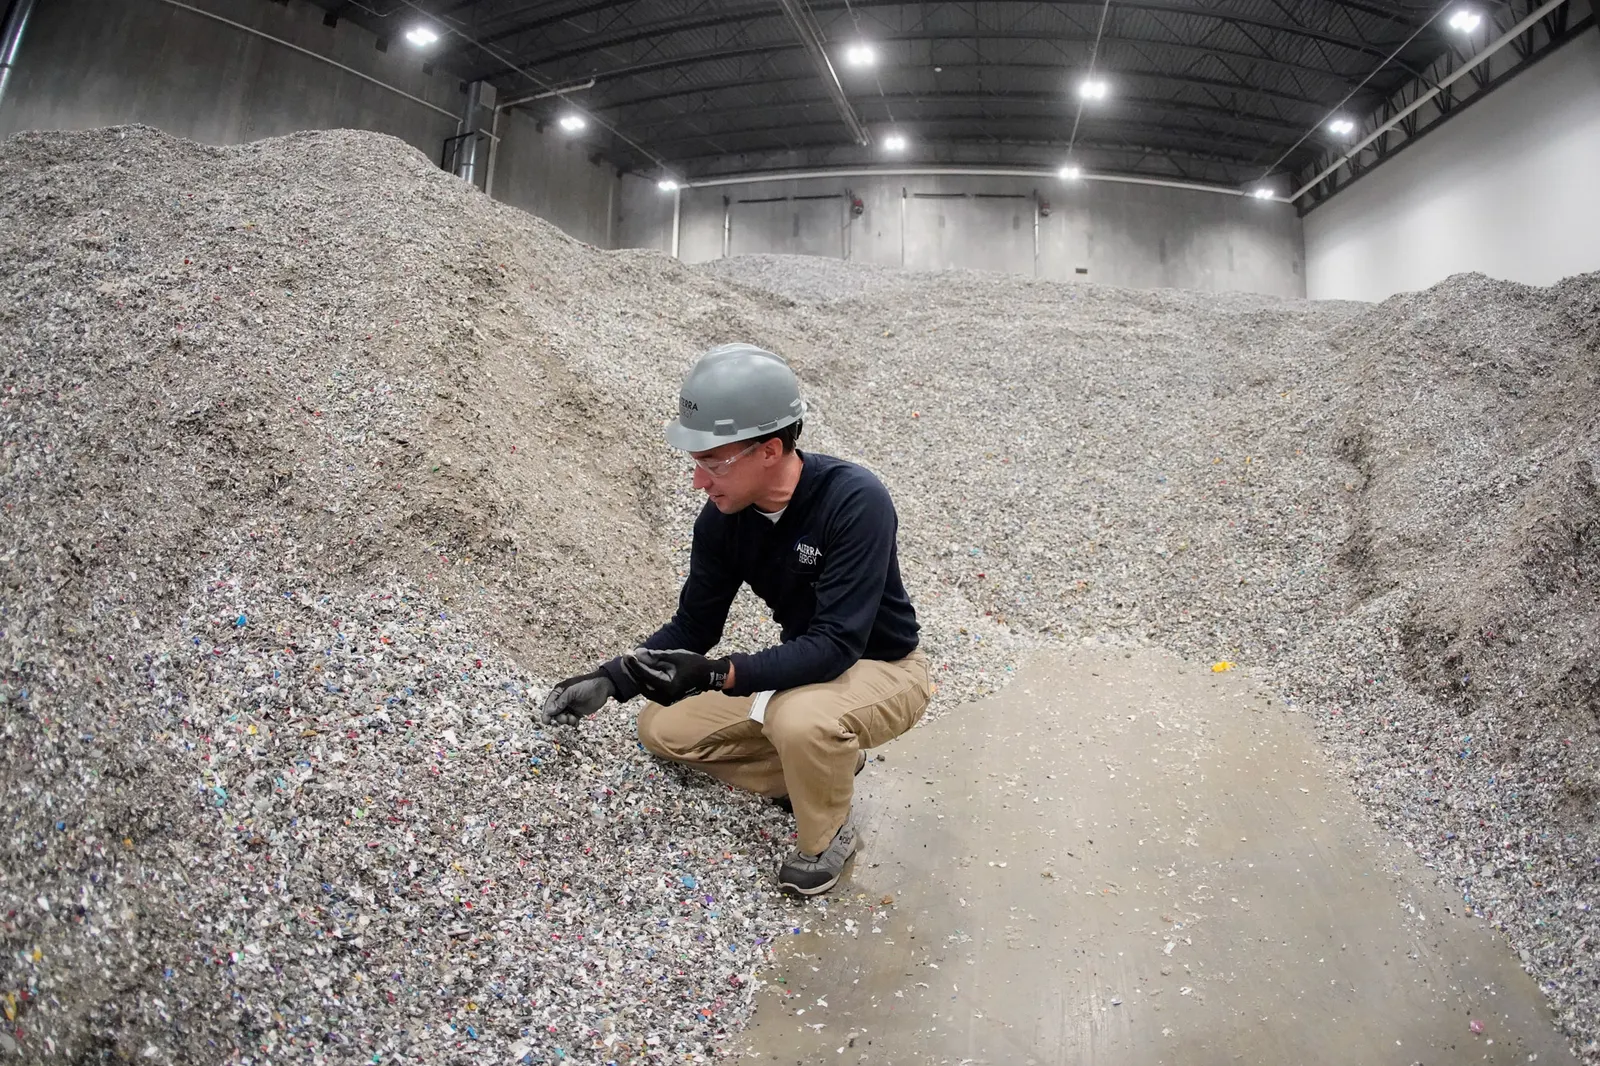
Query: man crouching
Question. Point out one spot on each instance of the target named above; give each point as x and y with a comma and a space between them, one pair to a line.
814, 538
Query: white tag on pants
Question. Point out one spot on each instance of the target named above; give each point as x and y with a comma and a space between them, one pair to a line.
758, 706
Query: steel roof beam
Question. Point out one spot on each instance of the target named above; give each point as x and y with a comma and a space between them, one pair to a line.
656, 30
1344, 81
965, 148
906, 99
1172, 7
744, 84
663, 144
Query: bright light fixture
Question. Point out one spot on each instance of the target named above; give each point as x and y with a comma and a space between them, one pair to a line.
1465, 20
1070, 172
1093, 89
1262, 194
572, 123
1342, 126
860, 55
667, 185
421, 36
895, 142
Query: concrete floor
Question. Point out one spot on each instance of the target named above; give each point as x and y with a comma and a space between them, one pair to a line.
1126, 859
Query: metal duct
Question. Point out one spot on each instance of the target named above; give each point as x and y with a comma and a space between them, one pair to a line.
677, 218
470, 154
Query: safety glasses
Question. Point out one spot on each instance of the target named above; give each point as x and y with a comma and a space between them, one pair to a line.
719, 467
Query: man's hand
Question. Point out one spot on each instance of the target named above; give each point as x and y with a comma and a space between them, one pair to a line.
669, 676
577, 698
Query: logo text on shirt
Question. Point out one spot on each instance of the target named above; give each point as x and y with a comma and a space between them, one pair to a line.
807, 554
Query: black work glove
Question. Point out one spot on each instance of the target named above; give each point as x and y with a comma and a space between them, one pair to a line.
577, 698
669, 676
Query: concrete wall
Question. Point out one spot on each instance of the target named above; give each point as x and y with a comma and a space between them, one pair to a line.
1506, 188
90, 63
1108, 232
550, 175
645, 216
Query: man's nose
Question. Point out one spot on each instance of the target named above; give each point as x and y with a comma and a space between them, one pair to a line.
702, 480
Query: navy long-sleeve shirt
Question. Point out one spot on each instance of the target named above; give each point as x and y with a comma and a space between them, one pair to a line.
828, 568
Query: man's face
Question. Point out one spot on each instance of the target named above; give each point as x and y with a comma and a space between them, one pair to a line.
739, 473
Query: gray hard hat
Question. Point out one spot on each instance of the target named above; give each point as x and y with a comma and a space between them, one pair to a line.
733, 393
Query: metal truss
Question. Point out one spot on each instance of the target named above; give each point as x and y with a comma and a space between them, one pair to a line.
1543, 37
958, 57
1203, 118
1109, 156
1205, 90
620, 22
1010, 129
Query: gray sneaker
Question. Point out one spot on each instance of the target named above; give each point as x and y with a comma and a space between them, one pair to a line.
811, 875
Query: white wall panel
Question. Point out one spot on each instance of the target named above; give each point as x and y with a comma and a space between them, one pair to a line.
1509, 188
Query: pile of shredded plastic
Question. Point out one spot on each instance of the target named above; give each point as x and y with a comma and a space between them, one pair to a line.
318, 468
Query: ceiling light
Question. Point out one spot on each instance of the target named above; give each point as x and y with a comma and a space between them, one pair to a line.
1262, 194
1465, 20
572, 123
1093, 89
667, 185
1342, 126
860, 55
1070, 173
895, 142
421, 36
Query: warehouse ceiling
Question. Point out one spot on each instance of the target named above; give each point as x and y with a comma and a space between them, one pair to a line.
1211, 91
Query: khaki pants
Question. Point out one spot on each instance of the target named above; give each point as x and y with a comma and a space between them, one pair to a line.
807, 747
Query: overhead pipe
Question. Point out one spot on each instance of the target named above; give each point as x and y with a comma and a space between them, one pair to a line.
17, 16
1444, 83
830, 77
494, 126
560, 91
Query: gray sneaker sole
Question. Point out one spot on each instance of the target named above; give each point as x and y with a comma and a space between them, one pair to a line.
817, 890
